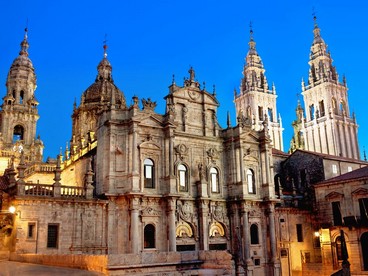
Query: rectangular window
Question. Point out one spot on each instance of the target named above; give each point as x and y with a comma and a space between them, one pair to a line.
182, 178
52, 235
334, 169
337, 218
31, 230
260, 113
363, 207
214, 182
299, 232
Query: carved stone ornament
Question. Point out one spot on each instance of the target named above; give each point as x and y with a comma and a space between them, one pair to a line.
194, 95
185, 211
219, 213
213, 153
148, 104
181, 150
150, 212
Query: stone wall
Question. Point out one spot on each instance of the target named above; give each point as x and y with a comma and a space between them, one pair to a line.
88, 262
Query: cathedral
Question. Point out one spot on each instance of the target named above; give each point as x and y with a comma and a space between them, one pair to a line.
138, 192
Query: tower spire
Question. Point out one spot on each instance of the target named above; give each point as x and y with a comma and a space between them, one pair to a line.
24, 44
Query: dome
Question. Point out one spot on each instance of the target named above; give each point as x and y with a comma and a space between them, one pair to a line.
102, 91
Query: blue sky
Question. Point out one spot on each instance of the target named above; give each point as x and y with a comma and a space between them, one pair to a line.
149, 41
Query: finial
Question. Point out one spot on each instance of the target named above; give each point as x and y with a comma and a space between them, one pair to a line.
191, 73
24, 44
251, 30
365, 155
314, 16
105, 46
75, 104
204, 85
214, 90
173, 79
252, 44
235, 92
228, 120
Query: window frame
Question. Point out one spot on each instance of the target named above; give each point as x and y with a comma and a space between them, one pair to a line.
50, 244
254, 234
149, 182
31, 234
251, 186
214, 172
148, 239
182, 173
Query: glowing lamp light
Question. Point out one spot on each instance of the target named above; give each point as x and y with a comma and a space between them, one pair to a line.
316, 234
12, 209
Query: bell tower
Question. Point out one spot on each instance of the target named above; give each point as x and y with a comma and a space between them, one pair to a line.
328, 126
256, 100
19, 113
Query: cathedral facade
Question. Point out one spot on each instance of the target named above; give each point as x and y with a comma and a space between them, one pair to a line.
174, 193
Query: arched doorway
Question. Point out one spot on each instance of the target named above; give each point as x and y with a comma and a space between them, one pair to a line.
364, 244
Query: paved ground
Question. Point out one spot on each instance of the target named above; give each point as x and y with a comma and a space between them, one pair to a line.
8, 268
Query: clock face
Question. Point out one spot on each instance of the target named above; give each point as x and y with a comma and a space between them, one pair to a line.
194, 95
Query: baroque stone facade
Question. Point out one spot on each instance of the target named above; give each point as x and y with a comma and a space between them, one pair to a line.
166, 194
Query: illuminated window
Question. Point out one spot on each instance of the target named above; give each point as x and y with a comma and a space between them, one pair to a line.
334, 168
251, 182
214, 180
183, 178
149, 174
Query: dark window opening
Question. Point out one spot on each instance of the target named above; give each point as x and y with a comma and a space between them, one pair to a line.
363, 206
321, 108
52, 235
257, 262
21, 96
149, 236
185, 247
337, 218
270, 114
311, 111
218, 246
299, 232
254, 234
260, 113
31, 228
316, 242
338, 248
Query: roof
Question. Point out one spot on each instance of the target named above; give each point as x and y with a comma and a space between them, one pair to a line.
358, 174
332, 157
279, 152
4, 183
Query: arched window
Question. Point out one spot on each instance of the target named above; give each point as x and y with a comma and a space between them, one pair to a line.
21, 96
254, 234
270, 114
321, 108
334, 106
18, 133
149, 236
311, 111
338, 248
251, 182
214, 180
183, 178
342, 107
149, 173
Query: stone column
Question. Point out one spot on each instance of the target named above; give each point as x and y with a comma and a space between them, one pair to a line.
134, 228
275, 261
203, 224
171, 203
246, 235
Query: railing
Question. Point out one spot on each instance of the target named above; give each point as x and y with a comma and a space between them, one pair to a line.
70, 191
44, 190
40, 168
38, 190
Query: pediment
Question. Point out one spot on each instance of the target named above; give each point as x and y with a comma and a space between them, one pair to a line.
360, 192
334, 195
149, 145
151, 121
